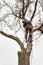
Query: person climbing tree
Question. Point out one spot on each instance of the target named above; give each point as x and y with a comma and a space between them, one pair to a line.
28, 27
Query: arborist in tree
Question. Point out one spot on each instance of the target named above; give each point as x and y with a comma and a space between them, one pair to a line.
28, 27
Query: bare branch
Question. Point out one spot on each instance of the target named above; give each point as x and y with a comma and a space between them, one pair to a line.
5, 15
26, 7
23, 9
34, 10
14, 38
2, 6
38, 36
40, 28
13, 11
19, 26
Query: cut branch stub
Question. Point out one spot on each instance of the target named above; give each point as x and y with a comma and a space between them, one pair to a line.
23, 58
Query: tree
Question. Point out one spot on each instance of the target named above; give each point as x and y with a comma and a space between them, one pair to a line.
18, 12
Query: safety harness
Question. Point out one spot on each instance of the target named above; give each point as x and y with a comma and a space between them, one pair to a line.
28, 27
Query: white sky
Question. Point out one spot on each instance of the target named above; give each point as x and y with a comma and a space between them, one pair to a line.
9, 49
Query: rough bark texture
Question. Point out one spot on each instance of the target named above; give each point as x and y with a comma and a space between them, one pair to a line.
23, 58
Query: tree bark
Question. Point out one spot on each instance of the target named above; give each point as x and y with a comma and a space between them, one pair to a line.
23, 58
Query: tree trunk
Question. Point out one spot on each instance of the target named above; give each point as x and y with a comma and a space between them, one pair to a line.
23, 58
